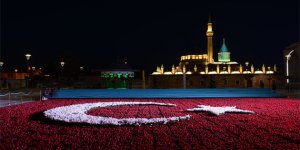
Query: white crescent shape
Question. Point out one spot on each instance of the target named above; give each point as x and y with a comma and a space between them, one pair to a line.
77, 114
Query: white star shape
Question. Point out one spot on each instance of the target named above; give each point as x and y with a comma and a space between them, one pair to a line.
219, 110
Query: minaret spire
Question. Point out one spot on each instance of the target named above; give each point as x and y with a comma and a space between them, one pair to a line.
209, 18
209, 34
224, 47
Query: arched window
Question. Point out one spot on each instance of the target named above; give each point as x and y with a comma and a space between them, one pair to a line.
237, 82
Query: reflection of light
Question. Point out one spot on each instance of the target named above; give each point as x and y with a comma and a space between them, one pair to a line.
202, 72
47, 75
178, 73
235, 72
212, 72
270, 72
155, 73
168, 73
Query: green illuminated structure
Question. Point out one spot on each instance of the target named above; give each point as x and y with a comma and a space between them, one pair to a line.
224, 54
117, 76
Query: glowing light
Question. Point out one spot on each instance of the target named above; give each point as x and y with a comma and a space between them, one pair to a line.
247, 72
212, 72
194, 57
119, 75
223, 72
235, 72
189, 72
168, 73
62, 64
288, 56
111, 75
156, 73
270, 72
27, 56
258, 72
126, 75
179, 72
202, 72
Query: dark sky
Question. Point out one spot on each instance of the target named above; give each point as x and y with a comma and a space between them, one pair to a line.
145, 33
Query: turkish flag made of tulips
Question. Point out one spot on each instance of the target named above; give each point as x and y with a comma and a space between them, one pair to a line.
254, 123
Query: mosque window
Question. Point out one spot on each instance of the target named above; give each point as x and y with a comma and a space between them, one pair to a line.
119, 75
126, 75
225, 81
111, 75
261, 83
237, 82
104, 75
202, 83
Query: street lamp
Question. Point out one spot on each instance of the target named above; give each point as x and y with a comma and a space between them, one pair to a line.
1, 64
288, 56
269, 78
62, 63
28, 68
246, 63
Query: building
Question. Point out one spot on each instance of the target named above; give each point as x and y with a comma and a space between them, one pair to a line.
117, 76
203, 71
17, 79
13, 80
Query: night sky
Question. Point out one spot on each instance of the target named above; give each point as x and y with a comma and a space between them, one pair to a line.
144, 33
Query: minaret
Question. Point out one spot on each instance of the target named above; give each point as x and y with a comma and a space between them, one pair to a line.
209, 34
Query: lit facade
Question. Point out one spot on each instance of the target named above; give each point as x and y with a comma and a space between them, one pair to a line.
202, 71
117, 76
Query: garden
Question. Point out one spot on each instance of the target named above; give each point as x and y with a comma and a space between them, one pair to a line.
208, 123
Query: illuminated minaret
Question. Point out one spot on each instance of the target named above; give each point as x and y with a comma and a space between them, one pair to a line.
209, 34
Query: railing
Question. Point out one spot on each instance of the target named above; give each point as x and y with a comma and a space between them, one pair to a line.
14, 97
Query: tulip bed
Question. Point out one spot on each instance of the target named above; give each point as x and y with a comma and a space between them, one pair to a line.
273, 125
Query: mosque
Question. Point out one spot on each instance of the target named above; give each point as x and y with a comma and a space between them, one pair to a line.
202, 71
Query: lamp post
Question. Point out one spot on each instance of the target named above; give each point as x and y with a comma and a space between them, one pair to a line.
246, 64
62, 64
269, 77
288, 56
28, 68
1, 64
